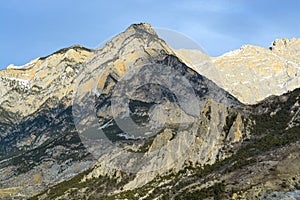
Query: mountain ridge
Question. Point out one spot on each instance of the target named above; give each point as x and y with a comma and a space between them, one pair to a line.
243, 71
279, 66
184, 126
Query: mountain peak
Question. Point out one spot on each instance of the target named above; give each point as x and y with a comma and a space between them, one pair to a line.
142, 27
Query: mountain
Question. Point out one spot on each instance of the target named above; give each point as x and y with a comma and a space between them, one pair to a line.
136, 119
252, 73
41, 144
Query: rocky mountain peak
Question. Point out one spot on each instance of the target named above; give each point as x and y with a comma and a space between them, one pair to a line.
53, 76
142, 27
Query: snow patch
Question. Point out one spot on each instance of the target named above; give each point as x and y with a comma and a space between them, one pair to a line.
109, 123
131, 137
16, 82
26, 66
232, 53
126, 136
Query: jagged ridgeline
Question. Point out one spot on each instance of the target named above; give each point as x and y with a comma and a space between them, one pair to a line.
136, 119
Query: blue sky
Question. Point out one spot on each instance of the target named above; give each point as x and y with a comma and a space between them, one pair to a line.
35, 28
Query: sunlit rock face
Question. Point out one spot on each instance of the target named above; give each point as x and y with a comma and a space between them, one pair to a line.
253, 73
25, 88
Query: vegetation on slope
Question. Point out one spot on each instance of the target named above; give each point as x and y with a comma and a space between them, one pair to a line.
269, 132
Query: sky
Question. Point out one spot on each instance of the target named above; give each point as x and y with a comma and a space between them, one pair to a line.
36, 28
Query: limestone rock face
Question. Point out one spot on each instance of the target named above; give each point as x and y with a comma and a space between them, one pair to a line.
23, 89
197, 60
161, 140
253, 73
236, 130
201, 143
287, 48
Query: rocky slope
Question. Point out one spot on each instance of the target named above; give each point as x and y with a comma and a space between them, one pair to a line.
252, 73
136, 120
39, 144
264, 165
